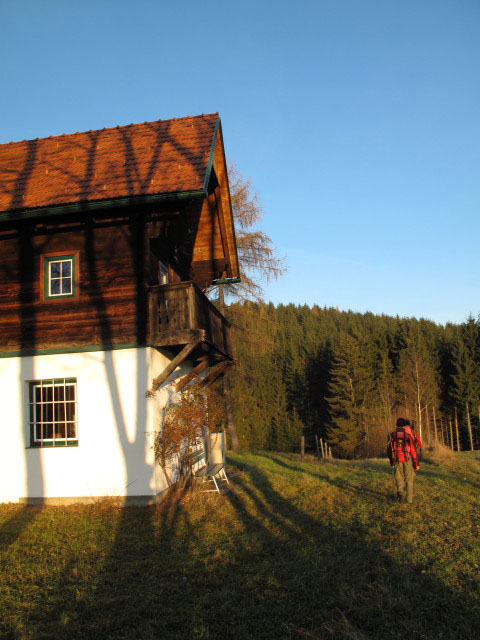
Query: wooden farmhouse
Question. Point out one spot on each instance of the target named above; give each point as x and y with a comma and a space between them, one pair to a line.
108, 240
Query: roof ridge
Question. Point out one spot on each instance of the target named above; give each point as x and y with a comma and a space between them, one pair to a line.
121, 126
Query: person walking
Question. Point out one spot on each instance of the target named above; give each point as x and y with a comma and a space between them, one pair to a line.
403, 458
416, 436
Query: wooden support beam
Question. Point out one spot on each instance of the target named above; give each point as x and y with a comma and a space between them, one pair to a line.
171, 338
223, 231
215, 372
209, 356
179, 358
193, 374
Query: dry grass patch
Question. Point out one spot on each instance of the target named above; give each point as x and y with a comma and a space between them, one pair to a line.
294, 550
439, 454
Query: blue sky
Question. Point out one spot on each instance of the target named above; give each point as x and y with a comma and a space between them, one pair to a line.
356, 120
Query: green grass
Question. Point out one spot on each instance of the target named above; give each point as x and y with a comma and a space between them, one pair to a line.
295, 550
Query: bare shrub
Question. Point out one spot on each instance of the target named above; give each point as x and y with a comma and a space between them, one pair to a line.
186, 422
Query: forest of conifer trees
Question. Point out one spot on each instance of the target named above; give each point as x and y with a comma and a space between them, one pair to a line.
347, 376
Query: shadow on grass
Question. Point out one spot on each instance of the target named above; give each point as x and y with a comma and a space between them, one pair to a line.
13, 527
340, 483
459, 477
247, 565
334, 583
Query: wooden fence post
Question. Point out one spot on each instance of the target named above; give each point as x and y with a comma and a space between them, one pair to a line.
302, 447
318, 449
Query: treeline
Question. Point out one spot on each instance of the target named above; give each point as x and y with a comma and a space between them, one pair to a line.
347, 376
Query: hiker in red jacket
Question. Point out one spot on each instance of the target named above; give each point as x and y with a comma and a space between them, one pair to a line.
416, 436
402, 453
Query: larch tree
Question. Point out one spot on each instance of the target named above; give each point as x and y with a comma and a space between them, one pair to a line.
418, 377
258, 264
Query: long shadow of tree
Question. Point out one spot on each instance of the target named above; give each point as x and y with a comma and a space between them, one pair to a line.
252, 564
28, 247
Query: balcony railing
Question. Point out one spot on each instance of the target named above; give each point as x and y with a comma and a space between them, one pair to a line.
181, 313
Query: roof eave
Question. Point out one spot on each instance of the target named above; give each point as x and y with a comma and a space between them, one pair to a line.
96, 205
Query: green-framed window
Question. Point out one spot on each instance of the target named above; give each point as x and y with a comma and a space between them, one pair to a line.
53, 412
59, 276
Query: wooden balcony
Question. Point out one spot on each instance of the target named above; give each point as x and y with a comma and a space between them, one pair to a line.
181, 314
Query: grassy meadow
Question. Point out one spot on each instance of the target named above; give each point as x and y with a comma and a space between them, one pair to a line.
295, 550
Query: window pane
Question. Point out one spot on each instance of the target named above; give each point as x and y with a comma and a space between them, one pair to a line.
38, 394
59, 393
162, 274
55, 269
48, 431
59, 430
66, 269
47, 394
70, 407
38, 431
70, 392
66, 285
54, 286
59, 412
71, 430
47, 413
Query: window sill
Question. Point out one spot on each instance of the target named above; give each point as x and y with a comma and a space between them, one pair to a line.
49, 446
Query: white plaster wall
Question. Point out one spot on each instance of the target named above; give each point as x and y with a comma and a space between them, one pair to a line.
114, 456
165, 394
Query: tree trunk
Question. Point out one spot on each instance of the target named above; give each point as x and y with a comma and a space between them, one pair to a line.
418, 400
227, 390
451, 432
456, 429
443, 431
232, 430
435, 425
427, 425
478, 420
469, 422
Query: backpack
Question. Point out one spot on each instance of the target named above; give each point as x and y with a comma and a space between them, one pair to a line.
399, 441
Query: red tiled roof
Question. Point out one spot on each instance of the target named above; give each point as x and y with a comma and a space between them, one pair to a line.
166, 156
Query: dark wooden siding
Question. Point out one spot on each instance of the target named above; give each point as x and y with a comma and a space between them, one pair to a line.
110, 308
117, 263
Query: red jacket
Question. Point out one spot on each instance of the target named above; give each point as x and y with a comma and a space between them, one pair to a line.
416, 437
402, 446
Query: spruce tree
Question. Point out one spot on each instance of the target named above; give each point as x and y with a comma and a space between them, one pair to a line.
350, 388
466, 377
